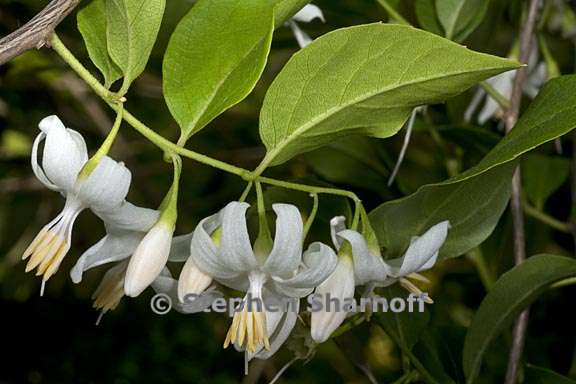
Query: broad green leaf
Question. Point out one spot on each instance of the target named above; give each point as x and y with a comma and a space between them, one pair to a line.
92, 25
539, 375
513, 292
211, 65
427, 16
543, 175
132, 27
474, 200
364, 80
461, 17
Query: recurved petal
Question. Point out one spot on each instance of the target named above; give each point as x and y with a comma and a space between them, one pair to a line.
422, 252
308, 13
111, 248
301, 37
286, 253
128, 217
64, 154
339, 285
106, 187
319, 263
205, 252
337, 224
236, 249
367, 266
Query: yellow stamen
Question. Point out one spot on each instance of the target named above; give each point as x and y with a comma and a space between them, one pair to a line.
248, 329
414, 289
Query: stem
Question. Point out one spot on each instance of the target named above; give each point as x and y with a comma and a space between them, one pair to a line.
519, 333
546, 219
246, 191
113, 101
502, 101
311, 217
405, 144
393, 13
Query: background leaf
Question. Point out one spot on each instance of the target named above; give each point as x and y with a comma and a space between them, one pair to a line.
513, 292
350, 81
542, 176
132, 26
92, 25
427, 16
461, 17
472, 209
538, 375
211, 65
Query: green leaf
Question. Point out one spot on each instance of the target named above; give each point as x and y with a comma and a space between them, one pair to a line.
92, 25
365, 80
539, 375
461, 17
132, 27
474, 200
427, 17
210, 65
543, 175
513, 292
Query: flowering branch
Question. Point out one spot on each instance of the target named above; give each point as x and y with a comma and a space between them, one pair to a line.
115, 102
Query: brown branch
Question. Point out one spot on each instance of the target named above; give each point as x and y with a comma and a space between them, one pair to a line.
36, 32
519, 332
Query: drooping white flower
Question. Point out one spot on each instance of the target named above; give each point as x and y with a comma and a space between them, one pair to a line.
281, 274
125, 229
366, 267
420, 256
104, 189
305, 15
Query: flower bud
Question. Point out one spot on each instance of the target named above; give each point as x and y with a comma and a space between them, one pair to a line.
148, 259
192, 281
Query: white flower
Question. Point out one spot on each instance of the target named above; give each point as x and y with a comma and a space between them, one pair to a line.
305, 15
149, 258
503, 84
102, 190
283, 273
125, 229
421, 255
366, 267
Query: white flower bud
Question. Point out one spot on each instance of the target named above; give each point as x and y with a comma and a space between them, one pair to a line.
148, 259
192, 281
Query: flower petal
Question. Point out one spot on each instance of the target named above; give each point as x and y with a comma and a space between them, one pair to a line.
167, 285
319, 263
337, 224
111, 248
64, 154
367, 266
301, 37
180, 249
204, 251
287, 250
128, 217
340, 285
236, 250
422, 252
308, 13
106, 187
281, 332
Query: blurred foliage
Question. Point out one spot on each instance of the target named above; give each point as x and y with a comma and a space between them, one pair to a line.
53, 339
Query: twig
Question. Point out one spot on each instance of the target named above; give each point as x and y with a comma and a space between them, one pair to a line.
36, 32
511, 119
405, 144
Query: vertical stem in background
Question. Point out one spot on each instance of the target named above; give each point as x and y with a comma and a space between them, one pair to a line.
519, 333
